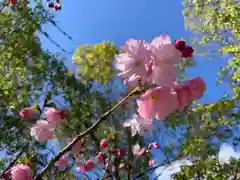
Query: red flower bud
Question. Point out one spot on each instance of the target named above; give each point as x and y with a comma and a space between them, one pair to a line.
180, 45
187, 52
103, 143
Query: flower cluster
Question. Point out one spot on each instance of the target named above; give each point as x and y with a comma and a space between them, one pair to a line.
54, 5
155, 64
42, 130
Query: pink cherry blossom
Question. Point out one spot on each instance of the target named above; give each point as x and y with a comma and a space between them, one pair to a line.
183, 94
197, 87
161, 40
138, 124
155, 145
80, 167
134, 63
42, 130
158, 102
164, 51
103, 143
130, 67
100, 158
138, 151
164, 75
62, 163
78, 147
89, 165
136, 49
53, 115
132, 81
165, 56
29, 113
21, 172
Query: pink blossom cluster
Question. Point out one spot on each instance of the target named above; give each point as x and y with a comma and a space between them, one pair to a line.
155, 64
42, 130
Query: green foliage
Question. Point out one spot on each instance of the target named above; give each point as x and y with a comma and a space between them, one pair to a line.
96, 61
216, 23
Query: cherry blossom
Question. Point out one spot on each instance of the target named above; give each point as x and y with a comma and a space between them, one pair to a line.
29, 114
138, 124
157, 103
62, 163
21, 172
53, 115
42, 131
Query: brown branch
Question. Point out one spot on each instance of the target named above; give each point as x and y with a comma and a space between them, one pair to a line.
81, 135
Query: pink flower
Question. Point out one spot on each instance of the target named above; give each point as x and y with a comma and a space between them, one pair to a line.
133, 64
189, 91
197, 87
130, 68
137, 150
62, 163
136, 49
29, 114
100, 158
164, 51
89, 165
151, 163
165, 57
132, 81
138, 124
53, 115
164, 74
103, 143
158, 102
80, 167
21, 172
78, 147
183, 94
154, 145
42, 131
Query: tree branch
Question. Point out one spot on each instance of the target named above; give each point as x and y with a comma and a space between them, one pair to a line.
81, 135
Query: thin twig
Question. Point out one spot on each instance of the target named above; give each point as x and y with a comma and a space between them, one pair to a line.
81, 135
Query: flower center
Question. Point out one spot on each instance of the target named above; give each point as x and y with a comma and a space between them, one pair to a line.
138, 63
154, 98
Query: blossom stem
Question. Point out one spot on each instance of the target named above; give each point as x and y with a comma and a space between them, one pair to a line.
83, 134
